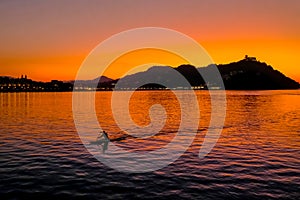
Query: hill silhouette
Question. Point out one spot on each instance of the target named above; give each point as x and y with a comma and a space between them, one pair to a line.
253, 75
99, 82
246, 74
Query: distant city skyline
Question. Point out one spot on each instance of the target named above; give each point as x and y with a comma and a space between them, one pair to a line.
50, 39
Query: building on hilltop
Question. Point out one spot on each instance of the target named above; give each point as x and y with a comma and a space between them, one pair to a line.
248, 58
23, 77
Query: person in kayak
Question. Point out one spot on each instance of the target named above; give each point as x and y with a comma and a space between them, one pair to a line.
103, 139
103, 136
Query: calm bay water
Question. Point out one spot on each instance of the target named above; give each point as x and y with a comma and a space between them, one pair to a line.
256, 157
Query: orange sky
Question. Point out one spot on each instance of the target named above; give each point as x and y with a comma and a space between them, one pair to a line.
49, 39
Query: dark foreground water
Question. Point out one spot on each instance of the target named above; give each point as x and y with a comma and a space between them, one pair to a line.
256, 157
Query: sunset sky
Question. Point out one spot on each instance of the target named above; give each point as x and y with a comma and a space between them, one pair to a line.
49, 39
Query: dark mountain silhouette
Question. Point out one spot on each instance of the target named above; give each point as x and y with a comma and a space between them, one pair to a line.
154, 75
191, 74
103, 79
165, 74
247, 74
94, 82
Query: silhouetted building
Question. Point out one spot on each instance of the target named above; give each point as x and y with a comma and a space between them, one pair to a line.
248, 58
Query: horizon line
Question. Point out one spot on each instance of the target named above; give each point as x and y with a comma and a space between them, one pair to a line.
247, 58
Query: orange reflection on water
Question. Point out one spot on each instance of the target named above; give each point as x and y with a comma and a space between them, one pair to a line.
37, 118
139, 107
259, 124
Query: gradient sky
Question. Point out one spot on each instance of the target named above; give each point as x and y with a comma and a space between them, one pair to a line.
49, 39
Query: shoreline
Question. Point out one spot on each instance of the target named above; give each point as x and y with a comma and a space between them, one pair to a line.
143, 90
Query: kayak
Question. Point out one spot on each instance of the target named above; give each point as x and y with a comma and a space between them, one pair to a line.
99, 142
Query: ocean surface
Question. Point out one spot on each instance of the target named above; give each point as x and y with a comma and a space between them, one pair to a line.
256, 157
